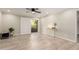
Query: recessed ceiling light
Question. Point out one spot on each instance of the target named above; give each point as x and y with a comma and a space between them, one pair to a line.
8, 10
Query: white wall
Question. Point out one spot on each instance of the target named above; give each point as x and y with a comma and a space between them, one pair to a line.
66, 24
22, 25
45, 22
0, 22
9, 20
25, 25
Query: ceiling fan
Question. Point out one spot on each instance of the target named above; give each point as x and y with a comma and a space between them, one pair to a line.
33, 10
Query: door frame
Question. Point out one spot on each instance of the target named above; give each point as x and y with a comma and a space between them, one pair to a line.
38, 30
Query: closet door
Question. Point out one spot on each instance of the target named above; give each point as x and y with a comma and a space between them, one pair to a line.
25, 25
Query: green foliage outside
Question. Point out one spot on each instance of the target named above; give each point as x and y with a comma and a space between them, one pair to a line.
34, 23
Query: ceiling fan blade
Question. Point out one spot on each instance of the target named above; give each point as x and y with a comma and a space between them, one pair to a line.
37, 11
33, 10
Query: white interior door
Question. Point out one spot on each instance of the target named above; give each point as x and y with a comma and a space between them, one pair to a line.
25, 25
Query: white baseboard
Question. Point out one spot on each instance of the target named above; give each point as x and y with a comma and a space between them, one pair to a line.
61, 37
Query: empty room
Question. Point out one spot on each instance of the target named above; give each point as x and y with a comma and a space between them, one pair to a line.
39, 29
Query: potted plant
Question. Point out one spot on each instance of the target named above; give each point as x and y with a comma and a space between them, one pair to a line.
11, 30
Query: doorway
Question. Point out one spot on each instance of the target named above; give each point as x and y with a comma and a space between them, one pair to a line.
34, 26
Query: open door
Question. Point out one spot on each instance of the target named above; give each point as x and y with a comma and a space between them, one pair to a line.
34, 26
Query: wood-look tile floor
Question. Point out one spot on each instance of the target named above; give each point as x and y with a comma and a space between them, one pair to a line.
37, 41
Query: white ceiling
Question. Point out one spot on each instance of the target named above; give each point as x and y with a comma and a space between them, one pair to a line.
24, 12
